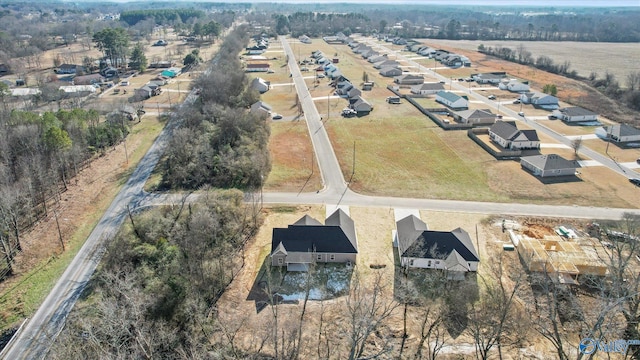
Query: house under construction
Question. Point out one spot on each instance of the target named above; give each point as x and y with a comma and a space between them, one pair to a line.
568, 258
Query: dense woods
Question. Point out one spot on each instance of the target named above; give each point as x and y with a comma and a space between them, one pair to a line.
160, 16
39, 157
220, 143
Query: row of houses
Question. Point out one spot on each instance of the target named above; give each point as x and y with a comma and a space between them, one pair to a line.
308, 241
261, 43
445, 57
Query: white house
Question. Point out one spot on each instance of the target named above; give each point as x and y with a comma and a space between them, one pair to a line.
390, 71
304, 39
260, 85
622, 133
452, 100
488, 78
507, 135
514, 85
575, 114
427, 88
540, 100
419, 247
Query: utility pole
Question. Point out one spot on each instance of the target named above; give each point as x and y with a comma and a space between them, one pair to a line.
606, 151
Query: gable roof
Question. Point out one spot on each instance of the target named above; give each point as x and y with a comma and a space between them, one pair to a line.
531, 135
408, 230
475, 114
438, 244
410, 77
576, 111
456, 262
338, 235
622, 130
504, 129
551, 162
428, 86
449, 96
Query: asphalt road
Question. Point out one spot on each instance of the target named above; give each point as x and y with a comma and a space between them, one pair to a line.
36, 336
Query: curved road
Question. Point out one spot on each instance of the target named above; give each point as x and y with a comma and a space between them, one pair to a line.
34, 339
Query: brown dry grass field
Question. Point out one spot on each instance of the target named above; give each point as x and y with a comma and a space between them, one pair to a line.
584, 57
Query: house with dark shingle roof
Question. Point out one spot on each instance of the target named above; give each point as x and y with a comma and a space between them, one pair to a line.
360, 105
419, 247
453, 101
475, 116
307, 241
575, 114
507, 135
549, 165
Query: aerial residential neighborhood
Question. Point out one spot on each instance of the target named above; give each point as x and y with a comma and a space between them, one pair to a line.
319, 181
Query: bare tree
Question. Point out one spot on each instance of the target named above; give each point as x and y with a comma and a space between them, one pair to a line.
576, 144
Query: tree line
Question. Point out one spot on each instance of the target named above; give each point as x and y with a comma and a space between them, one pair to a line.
39, 157
607, 84
160, 16
220, 143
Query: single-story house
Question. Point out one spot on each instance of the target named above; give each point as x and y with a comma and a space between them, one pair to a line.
427, 88
307, 241
489, 78
334, 74
390, 71
261, 107
78, 89
257, 67
475, 116
514, 85
260, 85
368, 54
171, 72
385, 63
88, 79
17, 92
148, 91
419, 247
622, 133
453, 101
377, 58
304, 39
68, 69
162, 64
360, 105
507, 135
353, 92
549, 165
409, 79
575, 114
540, 100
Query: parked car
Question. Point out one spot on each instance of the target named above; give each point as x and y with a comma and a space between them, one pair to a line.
349, 112
276, 116
638, 160
491, 97
304, 69
635, 181
320, 76
516, 101
270, 71
521, 113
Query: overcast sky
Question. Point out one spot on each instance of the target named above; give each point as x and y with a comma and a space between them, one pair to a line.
574, 3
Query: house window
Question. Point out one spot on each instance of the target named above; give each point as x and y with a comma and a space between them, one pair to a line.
319, 257
332, 257
429, 263
280, 261
437, 262
411, 262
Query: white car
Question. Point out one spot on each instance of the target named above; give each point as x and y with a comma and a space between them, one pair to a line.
320, 76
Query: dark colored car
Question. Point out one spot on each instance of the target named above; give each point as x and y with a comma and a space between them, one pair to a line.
635, 182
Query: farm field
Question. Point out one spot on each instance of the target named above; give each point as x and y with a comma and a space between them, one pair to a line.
584, 57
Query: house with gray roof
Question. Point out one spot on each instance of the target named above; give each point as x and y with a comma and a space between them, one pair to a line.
622, 133
427, 88
549, 165
514, 85
360, 105
260, 85
540, 100
377, 58
385, 63
409, 79
575, 114
261, 107
507, 135
307, 241
453, 101
489, 78
353, 92
390, 71
475, 116
419, 247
